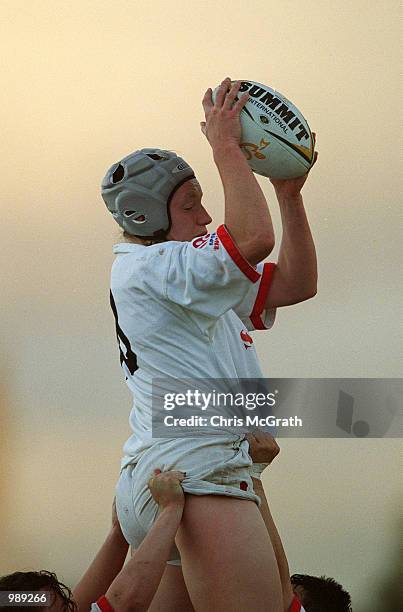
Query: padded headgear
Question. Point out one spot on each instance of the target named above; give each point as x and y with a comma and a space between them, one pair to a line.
137, 190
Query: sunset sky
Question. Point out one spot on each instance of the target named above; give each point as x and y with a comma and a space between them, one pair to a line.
84, 84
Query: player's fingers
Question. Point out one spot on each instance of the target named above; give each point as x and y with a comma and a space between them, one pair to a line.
266, 439
261, 436
222, 91
207, 101
251, 438
174, 475
241, 102
232, 95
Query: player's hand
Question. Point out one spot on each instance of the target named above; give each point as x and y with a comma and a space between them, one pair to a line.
222, 125
262, 447
291, 188
166, 488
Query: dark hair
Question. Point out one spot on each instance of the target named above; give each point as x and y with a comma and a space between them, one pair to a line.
35, 581
321, 594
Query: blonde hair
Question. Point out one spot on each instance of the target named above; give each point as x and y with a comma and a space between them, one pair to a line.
139, 240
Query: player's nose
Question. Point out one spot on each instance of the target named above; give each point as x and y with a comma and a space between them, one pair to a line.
204, 218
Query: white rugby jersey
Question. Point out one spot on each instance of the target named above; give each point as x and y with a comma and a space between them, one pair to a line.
184, 310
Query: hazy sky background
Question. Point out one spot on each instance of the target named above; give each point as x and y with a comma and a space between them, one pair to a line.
85, 83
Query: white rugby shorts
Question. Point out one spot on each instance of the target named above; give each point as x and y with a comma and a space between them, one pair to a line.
213, 467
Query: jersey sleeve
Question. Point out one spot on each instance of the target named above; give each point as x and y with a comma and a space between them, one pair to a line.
252, 309
210, 276
296, 605
102, 605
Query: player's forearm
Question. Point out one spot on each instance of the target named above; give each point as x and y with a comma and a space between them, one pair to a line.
297, 265
277, 544
247, 215
136, 585
102, 571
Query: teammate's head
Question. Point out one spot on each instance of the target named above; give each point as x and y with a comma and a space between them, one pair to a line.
320, 594
140, 189
61, 596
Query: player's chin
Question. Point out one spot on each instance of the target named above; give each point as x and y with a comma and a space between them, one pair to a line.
195, 234
201, 233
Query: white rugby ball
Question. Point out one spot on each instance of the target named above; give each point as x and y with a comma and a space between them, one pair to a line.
276, 138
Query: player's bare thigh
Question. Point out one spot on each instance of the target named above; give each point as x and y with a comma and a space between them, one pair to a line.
172, 594
228, 561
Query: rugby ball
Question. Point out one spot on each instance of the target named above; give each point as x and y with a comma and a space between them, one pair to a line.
276, 138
